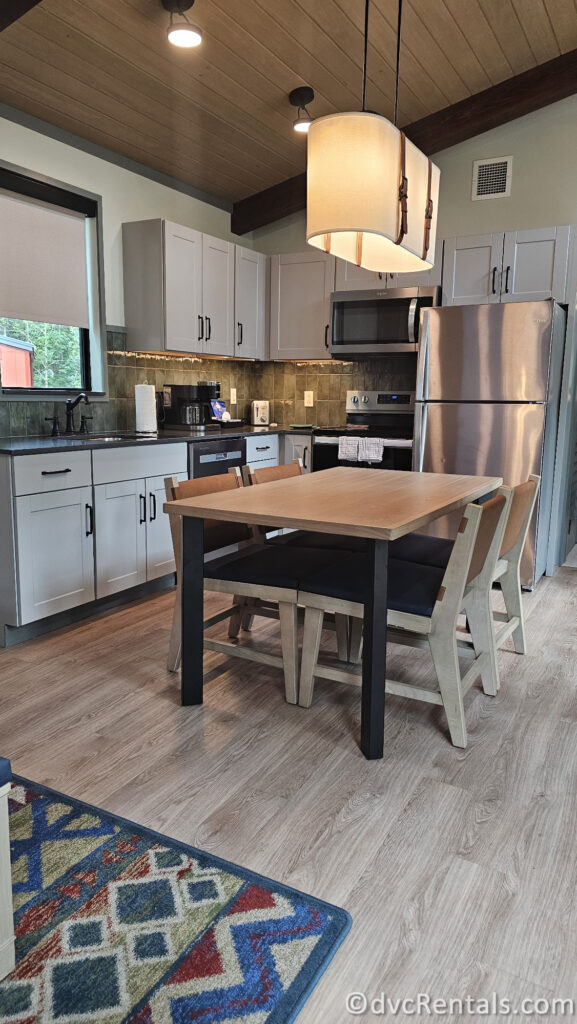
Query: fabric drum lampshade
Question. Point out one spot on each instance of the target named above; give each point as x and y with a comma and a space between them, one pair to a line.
354, 211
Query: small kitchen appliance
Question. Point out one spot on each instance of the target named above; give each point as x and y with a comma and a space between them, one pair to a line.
260, 413
189, 404
378, 322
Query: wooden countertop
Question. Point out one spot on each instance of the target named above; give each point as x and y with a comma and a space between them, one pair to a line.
384, 504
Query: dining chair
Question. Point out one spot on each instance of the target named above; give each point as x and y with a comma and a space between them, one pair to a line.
424, 603
256, 572
436, 551
7, 952
307, 539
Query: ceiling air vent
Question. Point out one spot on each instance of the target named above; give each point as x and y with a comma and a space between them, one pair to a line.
492, 178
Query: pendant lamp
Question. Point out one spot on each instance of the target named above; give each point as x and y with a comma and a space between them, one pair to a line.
372, 196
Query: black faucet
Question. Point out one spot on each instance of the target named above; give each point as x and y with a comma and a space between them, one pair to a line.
70, 407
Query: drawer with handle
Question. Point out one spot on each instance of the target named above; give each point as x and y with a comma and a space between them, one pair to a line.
259, 448
55, 471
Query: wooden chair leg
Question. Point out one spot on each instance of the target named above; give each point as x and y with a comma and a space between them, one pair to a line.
288, 615
247, 618
446, 662
356, 641
236, 616
175, 643
511, 588
342, 631
480, 621
311, 644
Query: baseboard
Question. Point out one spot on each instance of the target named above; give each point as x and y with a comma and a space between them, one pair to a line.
12, 635
7, 958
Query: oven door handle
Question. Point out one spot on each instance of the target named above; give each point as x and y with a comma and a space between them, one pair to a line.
412, 325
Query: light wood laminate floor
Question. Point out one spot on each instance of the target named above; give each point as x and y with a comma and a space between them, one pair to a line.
459, 867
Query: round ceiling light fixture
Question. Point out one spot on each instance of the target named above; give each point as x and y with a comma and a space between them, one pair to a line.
181, 32
299, 98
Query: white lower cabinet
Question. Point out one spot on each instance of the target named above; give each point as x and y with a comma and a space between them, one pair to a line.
55, 551
120, 513
262, 450
159, 553
298, 446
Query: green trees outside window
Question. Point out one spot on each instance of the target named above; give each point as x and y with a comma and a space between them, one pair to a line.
56, 357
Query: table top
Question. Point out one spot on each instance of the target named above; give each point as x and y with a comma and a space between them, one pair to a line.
383, 504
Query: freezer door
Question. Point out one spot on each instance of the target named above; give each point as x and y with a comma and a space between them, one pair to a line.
490, 353
487, 440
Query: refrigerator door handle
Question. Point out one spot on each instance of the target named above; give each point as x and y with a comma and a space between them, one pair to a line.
419, 436
413, 309
422, 360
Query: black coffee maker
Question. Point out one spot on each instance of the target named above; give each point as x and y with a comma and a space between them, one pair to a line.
189, 404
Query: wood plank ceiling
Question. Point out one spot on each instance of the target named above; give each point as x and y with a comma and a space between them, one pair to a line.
218, 118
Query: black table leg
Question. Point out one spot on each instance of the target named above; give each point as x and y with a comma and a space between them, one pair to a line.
192, 584
375, 653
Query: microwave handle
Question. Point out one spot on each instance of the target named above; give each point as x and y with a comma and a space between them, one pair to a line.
413, 313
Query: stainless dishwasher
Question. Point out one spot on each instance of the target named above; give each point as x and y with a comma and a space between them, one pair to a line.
214, 456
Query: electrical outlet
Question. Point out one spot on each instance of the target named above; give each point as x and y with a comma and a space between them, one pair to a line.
233, 396
166, 397
309, 400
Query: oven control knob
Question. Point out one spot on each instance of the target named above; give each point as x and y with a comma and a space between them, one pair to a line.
355, 400
365, 399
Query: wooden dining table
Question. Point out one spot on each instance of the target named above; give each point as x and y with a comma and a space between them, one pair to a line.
377, 505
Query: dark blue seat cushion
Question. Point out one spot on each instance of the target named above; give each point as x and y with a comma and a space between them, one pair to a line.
412, 588
415, 547
309, 539
5, 771
269, 565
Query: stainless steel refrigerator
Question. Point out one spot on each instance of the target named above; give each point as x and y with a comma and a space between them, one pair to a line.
488, 388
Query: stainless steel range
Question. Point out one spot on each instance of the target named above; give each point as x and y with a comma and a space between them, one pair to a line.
373, 416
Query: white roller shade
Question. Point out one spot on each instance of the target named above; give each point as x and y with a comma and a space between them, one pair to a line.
42, 263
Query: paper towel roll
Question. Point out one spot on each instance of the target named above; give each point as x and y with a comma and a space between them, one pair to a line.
145, 403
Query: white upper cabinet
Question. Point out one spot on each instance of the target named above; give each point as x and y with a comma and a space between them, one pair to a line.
301, 286
249, 303
514, 266
535, 264
472, 269
183, 285
349, 278
218, 296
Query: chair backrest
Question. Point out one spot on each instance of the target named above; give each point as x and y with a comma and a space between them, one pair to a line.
490, 536
520, 513
269, 474
217, 534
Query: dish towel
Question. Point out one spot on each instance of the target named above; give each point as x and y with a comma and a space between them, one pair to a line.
371, 449
349, 449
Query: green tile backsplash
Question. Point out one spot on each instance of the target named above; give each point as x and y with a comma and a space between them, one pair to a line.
283, 384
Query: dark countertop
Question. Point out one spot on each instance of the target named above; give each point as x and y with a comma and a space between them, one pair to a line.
125, 439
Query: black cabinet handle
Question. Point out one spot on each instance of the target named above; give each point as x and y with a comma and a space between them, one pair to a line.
208, 328
152, 497
305, 453
264, 448
89, 520
239, 325
142, 509
493, 284
200, 327
54, 472
507, 280
326, 335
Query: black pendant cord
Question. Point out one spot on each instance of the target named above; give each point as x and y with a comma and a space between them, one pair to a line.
367, 3
399, 20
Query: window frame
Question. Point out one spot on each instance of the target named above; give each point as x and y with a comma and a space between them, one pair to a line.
93, 349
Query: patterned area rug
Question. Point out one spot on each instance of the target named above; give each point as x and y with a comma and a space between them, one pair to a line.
115, 923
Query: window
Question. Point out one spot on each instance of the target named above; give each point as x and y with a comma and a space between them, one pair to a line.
50, 300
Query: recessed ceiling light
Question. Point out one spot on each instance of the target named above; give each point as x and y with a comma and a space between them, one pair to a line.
299, 98
181, 32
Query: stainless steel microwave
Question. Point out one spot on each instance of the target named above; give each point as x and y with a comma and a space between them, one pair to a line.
379, 321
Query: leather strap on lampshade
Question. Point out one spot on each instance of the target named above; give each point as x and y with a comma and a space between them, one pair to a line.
403, 194
428, 212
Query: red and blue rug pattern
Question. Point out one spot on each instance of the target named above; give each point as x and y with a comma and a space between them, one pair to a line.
117, 924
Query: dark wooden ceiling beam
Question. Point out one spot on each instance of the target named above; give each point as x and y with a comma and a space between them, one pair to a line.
513, 98
12, 10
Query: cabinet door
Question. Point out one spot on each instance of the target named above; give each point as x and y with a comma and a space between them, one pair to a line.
424, 278
159, 553
55, 552
218, 296
249, 303
535, 264
183, 288
120, 525
350, 278
298, 446
472, 269
301, 286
